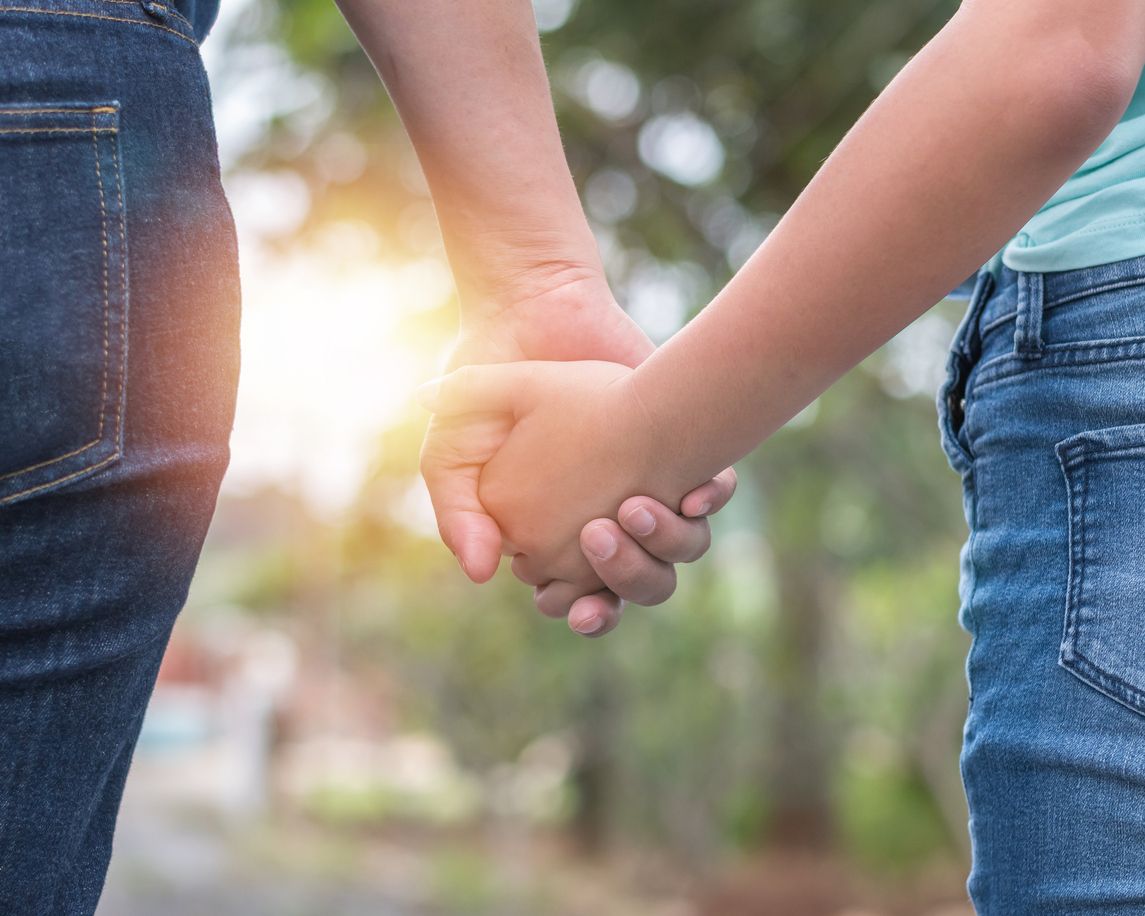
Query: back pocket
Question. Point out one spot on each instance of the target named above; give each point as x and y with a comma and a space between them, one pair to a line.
63, 294
1104, 638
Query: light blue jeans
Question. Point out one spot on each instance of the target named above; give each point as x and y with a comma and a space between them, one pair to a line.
1043, 416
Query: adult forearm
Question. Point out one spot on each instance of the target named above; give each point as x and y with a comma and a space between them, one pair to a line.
469, 82
980, 128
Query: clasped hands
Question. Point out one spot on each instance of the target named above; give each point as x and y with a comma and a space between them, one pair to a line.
537, 446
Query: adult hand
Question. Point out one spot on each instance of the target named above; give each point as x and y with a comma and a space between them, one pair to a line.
563, 312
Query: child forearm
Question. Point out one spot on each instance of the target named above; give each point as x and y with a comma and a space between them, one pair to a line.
979, 130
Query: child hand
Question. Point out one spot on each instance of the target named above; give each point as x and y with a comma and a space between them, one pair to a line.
561, 443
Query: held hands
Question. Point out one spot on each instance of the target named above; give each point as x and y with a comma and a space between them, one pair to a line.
543, 461
564, 311
560, 443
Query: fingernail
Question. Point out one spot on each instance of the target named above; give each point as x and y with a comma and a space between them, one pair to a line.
704, 509
641, 521
600, 543
426, 394
589, 625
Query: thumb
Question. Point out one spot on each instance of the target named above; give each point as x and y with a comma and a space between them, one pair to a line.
466, 528
475, 540
489, 388
624, 342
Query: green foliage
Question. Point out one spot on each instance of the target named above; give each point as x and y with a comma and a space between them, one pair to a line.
888, 817
463, 882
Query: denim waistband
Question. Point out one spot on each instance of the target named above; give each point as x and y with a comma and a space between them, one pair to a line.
1025, 297
1059, 287
161, 15
1021, 313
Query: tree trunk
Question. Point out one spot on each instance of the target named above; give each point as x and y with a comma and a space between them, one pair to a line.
800, 781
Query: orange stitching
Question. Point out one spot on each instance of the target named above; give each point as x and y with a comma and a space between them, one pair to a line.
58, 130
106, 257
152, 25
122, 393
106, 331
52, 483
158, 6
75, 111
50, 461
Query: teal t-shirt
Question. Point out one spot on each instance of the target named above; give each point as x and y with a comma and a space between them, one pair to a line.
1098, 215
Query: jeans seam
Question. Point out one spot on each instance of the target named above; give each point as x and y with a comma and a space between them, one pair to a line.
163, 8
101, 109
1079, 497
124, 301
970, 549
1072, 297
57, 130
79, 15
1095, 290
47, 485
1078, 353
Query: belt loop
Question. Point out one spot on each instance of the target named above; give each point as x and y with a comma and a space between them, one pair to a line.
154, 9
1028, 326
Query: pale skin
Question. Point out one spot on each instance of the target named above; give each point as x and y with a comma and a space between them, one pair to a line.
981, 127
469, 82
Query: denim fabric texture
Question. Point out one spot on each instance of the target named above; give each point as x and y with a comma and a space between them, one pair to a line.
119, 308
1043, 415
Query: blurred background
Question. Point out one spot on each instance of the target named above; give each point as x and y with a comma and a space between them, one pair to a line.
344, 725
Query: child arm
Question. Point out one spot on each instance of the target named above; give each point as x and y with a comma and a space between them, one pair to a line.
964, 145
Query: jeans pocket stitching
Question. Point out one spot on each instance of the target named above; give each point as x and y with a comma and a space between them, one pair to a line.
1075, 456
101, 439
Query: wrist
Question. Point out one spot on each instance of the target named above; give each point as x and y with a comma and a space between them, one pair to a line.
684, 444
521, 284
495, 271
649, 441
558, 312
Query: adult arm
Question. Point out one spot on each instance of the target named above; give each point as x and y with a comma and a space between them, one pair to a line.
469, 83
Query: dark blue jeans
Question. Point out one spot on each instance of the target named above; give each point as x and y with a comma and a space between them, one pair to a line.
119, 308
1043, 416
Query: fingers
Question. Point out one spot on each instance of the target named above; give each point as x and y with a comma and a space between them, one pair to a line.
555, 599
568, 566
662, 533
596, 614
624, 566
522, 568
592, 615
492, 387
711, 497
